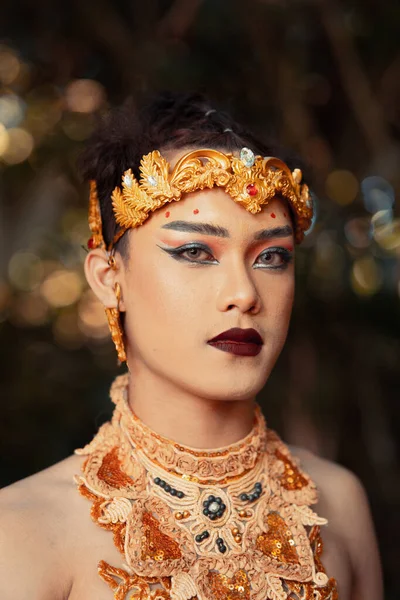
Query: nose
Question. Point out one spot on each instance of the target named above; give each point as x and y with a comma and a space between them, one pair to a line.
238, 290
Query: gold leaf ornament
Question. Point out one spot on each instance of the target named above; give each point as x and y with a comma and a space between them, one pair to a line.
154, 180
252, 184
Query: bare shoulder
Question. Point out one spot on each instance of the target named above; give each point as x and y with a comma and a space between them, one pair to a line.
338, 487
344, 502
36, 515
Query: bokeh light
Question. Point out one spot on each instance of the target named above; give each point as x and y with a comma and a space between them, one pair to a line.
10, 65
12, 110
25, 271
381, 218
387, 235
4, 139
378, 194
62, 288
29, 310
358, 232
19, 147
366, 276
66, 331
84, 96
92, 317
342, 186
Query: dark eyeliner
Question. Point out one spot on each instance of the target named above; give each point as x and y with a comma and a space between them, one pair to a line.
176, 253
286, 255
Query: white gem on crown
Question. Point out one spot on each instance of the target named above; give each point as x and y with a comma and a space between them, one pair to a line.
247, 157
152, 180
128, 180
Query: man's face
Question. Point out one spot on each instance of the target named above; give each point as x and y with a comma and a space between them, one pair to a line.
181, 288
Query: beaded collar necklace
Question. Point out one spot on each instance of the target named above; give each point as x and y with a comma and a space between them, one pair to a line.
228, 524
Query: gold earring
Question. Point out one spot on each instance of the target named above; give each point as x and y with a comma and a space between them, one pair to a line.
114, 323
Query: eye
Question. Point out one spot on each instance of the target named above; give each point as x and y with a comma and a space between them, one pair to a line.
275, 258
193, 253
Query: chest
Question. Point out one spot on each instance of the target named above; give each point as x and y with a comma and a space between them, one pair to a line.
95, 545
234, 527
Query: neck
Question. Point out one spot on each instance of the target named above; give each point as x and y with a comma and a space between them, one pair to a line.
189, 420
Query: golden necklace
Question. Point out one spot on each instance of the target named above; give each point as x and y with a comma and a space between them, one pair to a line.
229, 524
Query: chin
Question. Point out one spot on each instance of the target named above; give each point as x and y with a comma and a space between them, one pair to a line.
231, 388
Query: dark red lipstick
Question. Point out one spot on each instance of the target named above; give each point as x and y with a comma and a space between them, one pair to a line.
242, 342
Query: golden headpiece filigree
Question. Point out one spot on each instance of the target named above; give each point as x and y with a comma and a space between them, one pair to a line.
251, 181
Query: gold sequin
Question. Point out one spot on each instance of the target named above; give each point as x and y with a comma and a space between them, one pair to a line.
275, 543
156, 544
110, 471
292, 479
225, 588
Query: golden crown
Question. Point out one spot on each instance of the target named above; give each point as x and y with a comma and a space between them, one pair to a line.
251, 181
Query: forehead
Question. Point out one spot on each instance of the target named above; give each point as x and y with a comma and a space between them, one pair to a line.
217, 207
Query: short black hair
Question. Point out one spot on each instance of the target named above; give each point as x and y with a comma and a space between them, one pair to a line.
168, 120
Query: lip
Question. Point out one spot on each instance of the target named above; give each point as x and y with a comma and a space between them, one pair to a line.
237, 335
242, 342
238, 348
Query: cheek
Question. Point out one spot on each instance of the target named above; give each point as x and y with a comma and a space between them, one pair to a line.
278, 300
160, 304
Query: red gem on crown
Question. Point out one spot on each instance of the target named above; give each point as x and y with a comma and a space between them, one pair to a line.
252, 189
91, 243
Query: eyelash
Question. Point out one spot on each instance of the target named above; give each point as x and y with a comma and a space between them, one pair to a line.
177, 254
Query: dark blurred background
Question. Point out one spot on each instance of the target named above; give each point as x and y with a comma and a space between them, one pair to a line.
325, 76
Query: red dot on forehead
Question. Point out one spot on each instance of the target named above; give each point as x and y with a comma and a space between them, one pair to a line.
273, 215
284, 214
167, 214
196, 210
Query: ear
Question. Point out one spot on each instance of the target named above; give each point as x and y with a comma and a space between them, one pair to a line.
102, 278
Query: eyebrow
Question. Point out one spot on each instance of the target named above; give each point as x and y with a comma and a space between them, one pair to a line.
218, 231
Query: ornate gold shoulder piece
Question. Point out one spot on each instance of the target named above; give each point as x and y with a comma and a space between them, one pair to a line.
251, 181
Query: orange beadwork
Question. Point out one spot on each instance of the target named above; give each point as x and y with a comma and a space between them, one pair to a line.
305, 591
259, 547
118, 529
110, 471
225, 588
278, 542
139, 585
292, 479
157, 545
